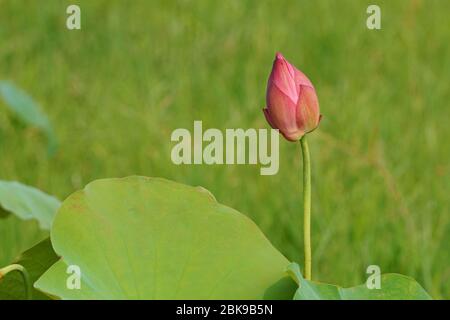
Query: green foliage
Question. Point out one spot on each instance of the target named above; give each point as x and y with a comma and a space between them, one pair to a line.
27, 110
17, 235
36, 261
147, 238
25, 214
28, 203
393, 287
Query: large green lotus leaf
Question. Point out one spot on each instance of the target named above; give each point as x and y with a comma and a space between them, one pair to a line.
28, 203
36, 261
393, 287
17, 235
150, 238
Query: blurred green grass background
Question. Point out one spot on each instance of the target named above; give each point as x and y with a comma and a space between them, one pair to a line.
137, 70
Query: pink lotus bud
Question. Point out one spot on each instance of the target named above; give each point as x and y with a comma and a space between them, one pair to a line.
292, 104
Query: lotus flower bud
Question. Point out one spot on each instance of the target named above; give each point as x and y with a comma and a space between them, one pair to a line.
292, 104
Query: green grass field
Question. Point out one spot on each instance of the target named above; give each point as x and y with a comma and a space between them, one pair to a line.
116, 89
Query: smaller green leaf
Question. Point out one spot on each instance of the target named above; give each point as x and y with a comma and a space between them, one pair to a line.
27, 110
16, 236
28, 202
393, 287
36, 261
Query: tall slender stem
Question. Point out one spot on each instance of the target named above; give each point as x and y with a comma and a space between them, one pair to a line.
306, 206
26, 279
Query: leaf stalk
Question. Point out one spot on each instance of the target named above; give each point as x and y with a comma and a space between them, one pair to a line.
23, 272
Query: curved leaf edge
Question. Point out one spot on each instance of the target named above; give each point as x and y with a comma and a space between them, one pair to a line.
293, 270
22, 208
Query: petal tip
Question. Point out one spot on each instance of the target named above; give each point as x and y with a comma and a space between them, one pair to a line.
279, 56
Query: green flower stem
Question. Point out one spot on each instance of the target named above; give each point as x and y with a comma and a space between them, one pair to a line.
26, 278
306, 206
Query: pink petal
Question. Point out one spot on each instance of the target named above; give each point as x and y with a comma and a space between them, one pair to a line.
308, 111
281, 111
300, 79
282, 76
